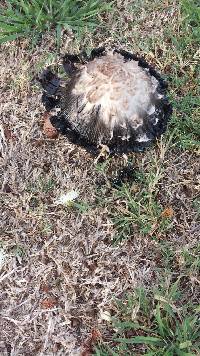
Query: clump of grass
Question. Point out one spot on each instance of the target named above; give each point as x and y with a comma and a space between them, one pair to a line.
187, 129
137, 208
162, 319
132, 197
139, 211
42, 185
190, 261
30, 19
154, 323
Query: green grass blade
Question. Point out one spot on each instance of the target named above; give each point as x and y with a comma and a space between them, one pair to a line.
10, 37
161, 326
146, 340
10, 28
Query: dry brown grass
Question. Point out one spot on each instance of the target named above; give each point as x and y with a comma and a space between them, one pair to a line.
60, 268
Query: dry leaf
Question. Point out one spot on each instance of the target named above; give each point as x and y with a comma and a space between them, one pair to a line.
7, 133
48, 129
48, 303
95, 334
90, 342
167, 212
45, 288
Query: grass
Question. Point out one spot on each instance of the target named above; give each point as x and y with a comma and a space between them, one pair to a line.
184, 75
42, 185
187, 129
31, 19
62, 277
164, 329
158, 321
138, 209
134, 205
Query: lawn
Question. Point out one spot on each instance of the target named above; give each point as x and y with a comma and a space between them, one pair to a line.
116, 273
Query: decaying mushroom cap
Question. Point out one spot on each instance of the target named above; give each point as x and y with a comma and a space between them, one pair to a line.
112, 98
